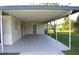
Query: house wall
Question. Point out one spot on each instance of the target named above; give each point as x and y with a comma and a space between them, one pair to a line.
41, 28
16, 29
28, 28
7, 29
12, 29
0, 25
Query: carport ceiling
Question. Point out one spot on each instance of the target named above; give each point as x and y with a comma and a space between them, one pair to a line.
37, 15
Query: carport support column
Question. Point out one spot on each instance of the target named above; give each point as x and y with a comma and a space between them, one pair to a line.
56, 30
1, 23
69, 31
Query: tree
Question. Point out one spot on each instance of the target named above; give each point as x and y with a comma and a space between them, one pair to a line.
52, 27
50, 4
65, 25
76, 25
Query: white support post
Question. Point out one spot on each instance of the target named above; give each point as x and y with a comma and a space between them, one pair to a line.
50, 30
69, 31
1, 22
47, 29
56, 31
69, 34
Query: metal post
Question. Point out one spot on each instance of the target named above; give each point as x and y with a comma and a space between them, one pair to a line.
50, 30
1, 21
47, 29
69, 31
56, 31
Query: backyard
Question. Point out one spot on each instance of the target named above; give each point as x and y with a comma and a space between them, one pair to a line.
63, 37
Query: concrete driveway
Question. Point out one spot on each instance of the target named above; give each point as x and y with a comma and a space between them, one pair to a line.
36, 44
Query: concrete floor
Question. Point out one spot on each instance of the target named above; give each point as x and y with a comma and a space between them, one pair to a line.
36, 44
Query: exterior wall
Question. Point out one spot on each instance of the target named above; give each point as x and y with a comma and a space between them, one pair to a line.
41, 28
16, 29
7, 29
12, 29
28, 28
0, 25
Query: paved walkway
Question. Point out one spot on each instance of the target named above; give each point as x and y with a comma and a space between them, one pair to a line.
43, 53
37, 44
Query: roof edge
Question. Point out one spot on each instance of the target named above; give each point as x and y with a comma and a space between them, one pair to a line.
34, 7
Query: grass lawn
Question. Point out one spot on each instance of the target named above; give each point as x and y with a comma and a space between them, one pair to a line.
63, 37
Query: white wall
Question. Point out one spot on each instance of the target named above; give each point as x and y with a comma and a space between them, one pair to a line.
7, 29
41, 28
28, 28
12, 29
16, 29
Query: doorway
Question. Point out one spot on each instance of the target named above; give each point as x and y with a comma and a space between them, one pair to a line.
34, 29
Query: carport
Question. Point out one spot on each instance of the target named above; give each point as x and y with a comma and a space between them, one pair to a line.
32, 40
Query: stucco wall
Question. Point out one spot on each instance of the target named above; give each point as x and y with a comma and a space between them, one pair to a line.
28, 28
12, 29
7, 30
41, 28
16, 29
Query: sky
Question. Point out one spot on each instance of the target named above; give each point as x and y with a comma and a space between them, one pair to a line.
72, 17
27, 2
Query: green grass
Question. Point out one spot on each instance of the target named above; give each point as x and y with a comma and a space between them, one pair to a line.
63, 37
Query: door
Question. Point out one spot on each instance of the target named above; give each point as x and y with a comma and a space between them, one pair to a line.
34, 29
